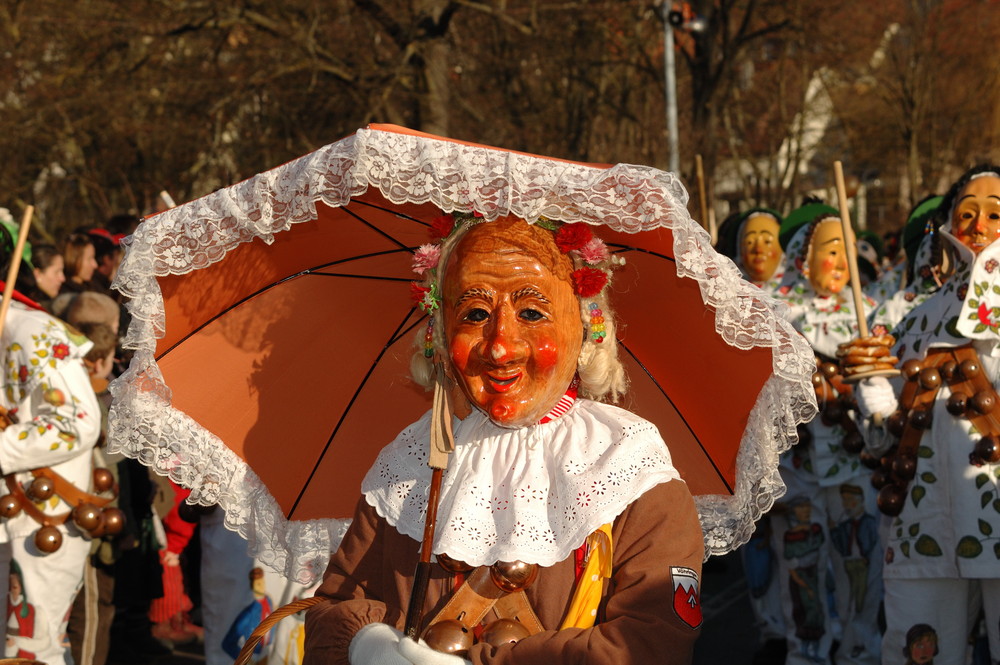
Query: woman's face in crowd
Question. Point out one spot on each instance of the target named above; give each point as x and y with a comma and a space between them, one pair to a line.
976, 219
51, 279
512, 327
761, 251
88, 264
827, 260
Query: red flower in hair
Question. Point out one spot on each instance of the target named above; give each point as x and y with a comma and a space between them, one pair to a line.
418, 292
588, 282
573, 236
441, 227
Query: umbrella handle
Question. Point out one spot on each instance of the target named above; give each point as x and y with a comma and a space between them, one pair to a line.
422, 575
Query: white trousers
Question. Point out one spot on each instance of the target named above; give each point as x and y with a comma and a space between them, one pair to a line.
922, 613
50, 583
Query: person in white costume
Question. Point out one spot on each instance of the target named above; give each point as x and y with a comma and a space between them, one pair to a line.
54, 422
941, 483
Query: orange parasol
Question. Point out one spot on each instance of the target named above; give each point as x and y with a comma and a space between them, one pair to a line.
273, 327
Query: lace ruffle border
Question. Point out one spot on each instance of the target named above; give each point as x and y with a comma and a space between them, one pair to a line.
453, 176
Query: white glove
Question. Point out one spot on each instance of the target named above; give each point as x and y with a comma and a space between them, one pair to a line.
418, 653
376, 644
875, 395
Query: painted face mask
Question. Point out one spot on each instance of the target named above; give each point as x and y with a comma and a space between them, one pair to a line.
975, 220
759, 247
827, 259
511, 321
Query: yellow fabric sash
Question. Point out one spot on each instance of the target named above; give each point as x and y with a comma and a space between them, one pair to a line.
582, 612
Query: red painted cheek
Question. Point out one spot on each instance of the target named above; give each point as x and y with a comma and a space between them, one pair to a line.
546, 354
460, 349
829, 264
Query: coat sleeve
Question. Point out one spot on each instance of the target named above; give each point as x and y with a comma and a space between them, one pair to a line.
353, 581
648, 614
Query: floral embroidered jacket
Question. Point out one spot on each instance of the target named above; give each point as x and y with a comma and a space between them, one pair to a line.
47, 391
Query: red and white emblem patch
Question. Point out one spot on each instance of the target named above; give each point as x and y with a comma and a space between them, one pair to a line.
687, 606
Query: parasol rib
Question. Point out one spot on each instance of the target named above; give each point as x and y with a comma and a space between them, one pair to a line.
397, 333
679, 415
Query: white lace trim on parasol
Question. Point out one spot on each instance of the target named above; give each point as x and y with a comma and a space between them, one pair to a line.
530, 494
452, 176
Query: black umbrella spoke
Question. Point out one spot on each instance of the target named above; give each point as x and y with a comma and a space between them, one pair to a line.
621, 249
678, 411
375, 228
308, 271
392, 339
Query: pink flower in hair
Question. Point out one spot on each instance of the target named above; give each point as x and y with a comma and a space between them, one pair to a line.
594, 252
426, 258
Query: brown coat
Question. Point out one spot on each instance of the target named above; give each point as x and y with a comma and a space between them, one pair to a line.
370, 576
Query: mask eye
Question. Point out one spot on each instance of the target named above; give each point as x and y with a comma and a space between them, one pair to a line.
477, 315
531, 315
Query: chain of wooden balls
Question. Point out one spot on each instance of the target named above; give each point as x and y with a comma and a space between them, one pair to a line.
896, 469
451, 635
95, 520
834, 410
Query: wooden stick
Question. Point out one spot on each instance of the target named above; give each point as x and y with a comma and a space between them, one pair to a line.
702, 198
442, 444
851, 244
422, 575
15, 265
167, 199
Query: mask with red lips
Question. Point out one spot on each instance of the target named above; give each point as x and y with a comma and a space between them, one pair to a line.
511, 320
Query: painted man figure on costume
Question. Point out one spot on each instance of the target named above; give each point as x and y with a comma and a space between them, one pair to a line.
826, 457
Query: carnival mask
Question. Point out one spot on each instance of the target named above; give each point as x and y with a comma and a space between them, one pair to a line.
511, 320
826, 262
759, 246
975, 221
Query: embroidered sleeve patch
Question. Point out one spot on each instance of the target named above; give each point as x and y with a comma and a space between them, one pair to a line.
687, 605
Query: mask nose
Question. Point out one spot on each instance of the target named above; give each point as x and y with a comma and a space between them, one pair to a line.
503, 343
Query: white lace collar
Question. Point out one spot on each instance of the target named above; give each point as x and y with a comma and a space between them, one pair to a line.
532, 494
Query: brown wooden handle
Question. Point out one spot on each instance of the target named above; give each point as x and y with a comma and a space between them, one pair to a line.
246, 653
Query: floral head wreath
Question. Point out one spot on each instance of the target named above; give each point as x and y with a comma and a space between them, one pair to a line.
592, 263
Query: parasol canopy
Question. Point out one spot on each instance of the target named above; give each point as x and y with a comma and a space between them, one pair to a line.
272, 330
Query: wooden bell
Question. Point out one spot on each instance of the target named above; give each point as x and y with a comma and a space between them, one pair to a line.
48, 539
